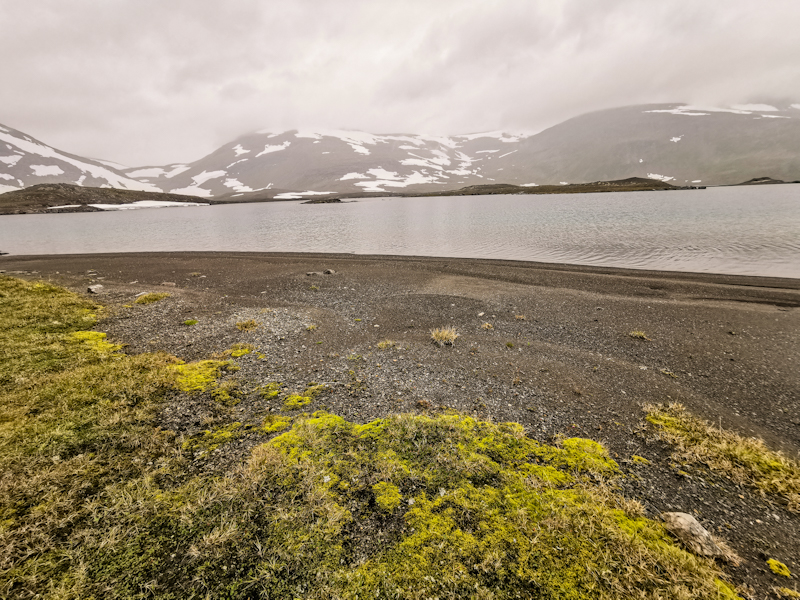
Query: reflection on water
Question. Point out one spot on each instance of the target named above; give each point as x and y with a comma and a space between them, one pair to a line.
743, 230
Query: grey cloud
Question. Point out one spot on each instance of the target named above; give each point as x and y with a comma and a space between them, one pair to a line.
148, 82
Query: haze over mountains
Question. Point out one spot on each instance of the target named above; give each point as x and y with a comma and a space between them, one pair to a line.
681, 144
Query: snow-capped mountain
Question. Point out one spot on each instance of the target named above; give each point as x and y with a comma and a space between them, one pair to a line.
25, 161
335, 161
685, 145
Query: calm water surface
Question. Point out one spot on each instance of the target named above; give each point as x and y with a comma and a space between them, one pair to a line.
742, 230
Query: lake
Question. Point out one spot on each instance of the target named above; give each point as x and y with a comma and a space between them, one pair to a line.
738, 230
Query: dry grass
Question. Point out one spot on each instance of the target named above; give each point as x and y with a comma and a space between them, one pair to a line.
249, 325
386, 344
444, 336
150, 298
639, 335
745, 460
487, 326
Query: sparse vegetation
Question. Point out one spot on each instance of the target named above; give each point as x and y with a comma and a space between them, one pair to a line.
190, 322
311, 327
639, 335
520, 317
386, 344
150, 298
249, 325
95, 502
239, 350
509, 345
487, 326
745, 460
778, 568
444, 336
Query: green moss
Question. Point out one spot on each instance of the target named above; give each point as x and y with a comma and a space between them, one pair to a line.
211, 439
150, 298
269, 390
96, 341
200, 376
778, 568
190, 322
293, 401
275, 423
239, 350
387, 496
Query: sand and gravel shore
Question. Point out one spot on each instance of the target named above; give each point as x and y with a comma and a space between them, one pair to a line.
548, 346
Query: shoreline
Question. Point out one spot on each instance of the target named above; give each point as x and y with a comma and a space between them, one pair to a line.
558, 356
597, 270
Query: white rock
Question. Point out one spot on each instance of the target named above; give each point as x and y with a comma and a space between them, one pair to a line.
693, 535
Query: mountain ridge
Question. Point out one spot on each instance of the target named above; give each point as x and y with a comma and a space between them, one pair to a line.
681, 144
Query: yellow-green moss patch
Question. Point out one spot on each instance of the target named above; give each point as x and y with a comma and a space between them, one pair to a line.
275, 423
387, 496
778, 568
745, 460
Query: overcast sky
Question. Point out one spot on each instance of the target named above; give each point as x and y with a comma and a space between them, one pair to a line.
157, 81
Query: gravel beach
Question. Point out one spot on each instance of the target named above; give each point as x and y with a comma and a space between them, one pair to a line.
548, 346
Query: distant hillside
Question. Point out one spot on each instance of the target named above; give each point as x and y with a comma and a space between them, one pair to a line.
41, 198
680, 144
25, 161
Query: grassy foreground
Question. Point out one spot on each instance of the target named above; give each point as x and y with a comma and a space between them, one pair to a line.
95, 501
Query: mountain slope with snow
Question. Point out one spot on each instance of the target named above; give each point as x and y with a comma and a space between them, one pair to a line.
25, 161
684, 145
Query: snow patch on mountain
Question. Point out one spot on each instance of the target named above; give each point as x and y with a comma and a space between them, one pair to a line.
147, 172
663, 178
268, 148
676, 139
299, 195
754, 107
353, 176
239, 150
11, 160
46, 170
237, 186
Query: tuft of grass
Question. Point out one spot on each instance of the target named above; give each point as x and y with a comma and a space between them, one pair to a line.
640, 459
211, 439
386, 344
639, 335
520, 317
778, 568
783, 592
249, 325
311, 327
150, 298
509, 345
745, 460
487, 326
444, 336
190, 322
